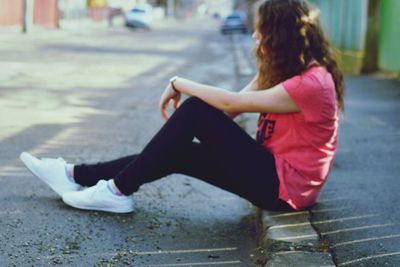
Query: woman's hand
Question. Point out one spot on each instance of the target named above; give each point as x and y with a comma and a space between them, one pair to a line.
168, 95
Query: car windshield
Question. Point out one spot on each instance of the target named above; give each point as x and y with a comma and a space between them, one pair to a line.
137, 10
232, 17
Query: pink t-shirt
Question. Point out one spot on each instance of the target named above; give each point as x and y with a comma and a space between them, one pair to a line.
303, 143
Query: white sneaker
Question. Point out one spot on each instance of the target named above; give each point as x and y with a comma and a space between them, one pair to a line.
50, 171
99, 197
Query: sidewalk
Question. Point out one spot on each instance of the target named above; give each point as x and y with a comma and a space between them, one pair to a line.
286, 238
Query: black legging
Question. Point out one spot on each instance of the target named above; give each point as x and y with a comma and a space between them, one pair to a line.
226, 157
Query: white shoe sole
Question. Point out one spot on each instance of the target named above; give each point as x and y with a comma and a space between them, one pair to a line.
72, 203
93, 208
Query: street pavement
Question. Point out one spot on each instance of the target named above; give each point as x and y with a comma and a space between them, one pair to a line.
357, 214
90, 94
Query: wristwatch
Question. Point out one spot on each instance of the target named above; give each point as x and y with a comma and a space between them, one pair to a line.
172, 80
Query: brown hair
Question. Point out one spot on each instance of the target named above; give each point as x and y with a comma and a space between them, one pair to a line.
291, 38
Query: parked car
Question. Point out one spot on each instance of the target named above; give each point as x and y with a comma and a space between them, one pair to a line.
235, 22
139, 17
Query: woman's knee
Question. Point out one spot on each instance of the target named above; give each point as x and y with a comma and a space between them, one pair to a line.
196, 105
193, 101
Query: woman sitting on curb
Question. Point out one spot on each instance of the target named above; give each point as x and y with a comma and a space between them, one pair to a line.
298, 92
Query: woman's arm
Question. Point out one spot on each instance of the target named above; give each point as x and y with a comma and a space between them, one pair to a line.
251, 86
274, 100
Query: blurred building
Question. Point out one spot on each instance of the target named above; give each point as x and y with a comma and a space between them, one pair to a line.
107, 9
49, 12
72, 9
10, 12
39, 12
366, 33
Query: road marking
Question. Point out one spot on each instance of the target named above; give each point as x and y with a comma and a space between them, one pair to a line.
184, 251
329, 209
288, 225
288, 214
321, 222
295, 237
346, 218
197, 264
364, 240
369, 258
358, 228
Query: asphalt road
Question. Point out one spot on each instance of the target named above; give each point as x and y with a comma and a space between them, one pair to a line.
91, 94
358, 212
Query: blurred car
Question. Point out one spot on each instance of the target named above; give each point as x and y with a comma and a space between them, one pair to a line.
139, 17
235, 22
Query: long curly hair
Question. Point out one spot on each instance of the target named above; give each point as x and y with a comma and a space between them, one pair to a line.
291, 39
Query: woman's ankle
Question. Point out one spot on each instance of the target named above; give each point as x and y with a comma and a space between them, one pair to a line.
69, 169
113, 188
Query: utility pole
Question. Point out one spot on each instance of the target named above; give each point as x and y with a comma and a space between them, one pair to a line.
24, 23
171, 8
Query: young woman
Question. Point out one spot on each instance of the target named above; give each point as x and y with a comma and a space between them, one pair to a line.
298, 92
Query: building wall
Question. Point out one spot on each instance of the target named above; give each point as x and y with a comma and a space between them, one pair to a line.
40, 12
10, 12
45, 13
72, 9
345, 22
389, 36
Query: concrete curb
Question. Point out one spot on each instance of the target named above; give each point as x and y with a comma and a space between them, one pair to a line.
288, 239
244, 67
285, 238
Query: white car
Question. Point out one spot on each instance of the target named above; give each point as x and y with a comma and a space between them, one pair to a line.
139, 17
